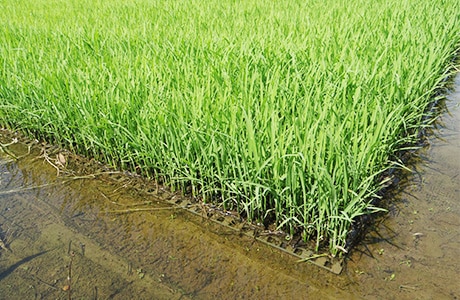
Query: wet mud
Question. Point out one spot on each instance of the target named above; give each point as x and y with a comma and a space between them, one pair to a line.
74, 229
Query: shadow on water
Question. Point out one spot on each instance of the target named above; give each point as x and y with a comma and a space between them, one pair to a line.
13, 267
121, 239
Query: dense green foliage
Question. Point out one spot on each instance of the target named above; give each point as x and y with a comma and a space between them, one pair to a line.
283, 110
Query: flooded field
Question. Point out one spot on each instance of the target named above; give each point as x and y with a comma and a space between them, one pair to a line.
414, 252
114, 238
72, 231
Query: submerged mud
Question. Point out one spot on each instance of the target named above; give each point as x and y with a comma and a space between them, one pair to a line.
73, 229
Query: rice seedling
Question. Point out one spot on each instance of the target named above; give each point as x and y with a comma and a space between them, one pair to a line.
286, 111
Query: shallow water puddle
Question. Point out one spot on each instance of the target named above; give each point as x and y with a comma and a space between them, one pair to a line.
108, 235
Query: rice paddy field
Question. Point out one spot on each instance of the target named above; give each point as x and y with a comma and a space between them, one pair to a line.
289, 112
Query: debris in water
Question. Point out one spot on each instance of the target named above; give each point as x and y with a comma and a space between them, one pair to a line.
4, 246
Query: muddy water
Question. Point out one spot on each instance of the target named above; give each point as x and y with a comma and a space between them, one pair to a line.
85, 232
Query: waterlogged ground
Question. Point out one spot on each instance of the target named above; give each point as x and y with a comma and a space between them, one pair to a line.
111, 236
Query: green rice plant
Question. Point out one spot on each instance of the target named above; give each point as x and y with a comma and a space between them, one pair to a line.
287, 111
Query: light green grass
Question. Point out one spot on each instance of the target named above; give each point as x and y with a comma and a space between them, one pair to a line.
283, 110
